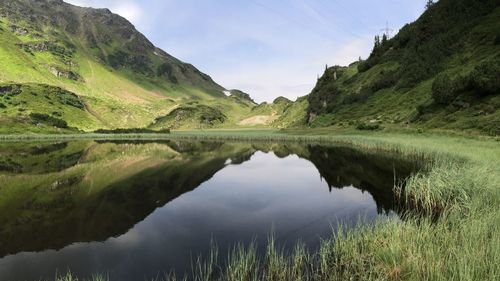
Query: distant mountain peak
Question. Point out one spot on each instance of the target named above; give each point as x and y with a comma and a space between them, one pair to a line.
241, 95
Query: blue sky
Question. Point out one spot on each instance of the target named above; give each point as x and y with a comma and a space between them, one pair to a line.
267, 48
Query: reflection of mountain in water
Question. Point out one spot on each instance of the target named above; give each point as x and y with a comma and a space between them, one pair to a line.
375, 173
39, 158
64, 217
110, 187
342, 166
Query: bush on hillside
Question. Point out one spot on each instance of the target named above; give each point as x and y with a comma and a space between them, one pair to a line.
485, 78
367, 127
211, 115
443, 89
323, 97
137, 63
359, 97
386, 80
47, 119
166, 70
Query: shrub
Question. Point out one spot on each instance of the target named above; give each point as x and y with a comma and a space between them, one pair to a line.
387, 80
44, 118
211, 115
323, 96
362, 96
443, 90
167, 71
485, 78
367, 127
68, 98
10, 90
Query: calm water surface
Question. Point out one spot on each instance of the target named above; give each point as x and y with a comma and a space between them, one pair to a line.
134, 210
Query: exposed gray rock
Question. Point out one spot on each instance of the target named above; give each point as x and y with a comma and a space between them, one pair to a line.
56, 71
18, 30
34, 47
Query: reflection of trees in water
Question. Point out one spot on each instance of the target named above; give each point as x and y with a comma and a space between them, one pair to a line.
375, 173
67, 218
39, 158
342, 166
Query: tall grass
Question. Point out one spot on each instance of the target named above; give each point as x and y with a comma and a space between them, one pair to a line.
71, 277
461, 184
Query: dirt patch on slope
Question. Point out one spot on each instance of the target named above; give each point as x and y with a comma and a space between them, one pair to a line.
259, 120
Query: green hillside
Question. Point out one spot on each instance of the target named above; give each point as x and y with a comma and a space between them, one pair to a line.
265, 114
439, 72
118, 75
242, 97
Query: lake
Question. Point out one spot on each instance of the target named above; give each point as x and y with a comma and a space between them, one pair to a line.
136, 209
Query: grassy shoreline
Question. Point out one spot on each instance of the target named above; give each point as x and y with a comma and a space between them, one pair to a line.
462, 183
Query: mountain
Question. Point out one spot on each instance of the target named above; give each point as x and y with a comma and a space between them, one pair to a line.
151, 175
65, 68
242, 97
117, 77
265, 114
439, 72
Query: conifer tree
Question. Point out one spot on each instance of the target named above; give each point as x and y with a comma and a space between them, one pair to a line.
377, 41
429, 4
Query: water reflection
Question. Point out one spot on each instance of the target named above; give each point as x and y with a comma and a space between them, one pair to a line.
136, 209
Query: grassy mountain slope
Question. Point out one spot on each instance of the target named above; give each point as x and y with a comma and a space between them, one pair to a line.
55, 108
122, 79
293, 115
242, 97
265, 114
438, 72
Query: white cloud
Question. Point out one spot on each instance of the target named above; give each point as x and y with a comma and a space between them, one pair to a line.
351, 51
81, 3
130, 10
291, 78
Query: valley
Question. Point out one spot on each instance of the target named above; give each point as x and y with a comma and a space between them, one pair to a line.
119, 161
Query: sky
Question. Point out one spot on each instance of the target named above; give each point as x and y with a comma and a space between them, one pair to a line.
267, 48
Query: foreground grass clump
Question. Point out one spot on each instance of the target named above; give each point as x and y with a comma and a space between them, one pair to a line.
71, 277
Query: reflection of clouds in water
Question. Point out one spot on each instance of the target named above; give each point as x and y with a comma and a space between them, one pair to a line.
357, 196
265, 170
129, 239
268, 191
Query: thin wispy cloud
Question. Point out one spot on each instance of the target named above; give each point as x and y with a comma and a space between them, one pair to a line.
131, 10
266, 48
